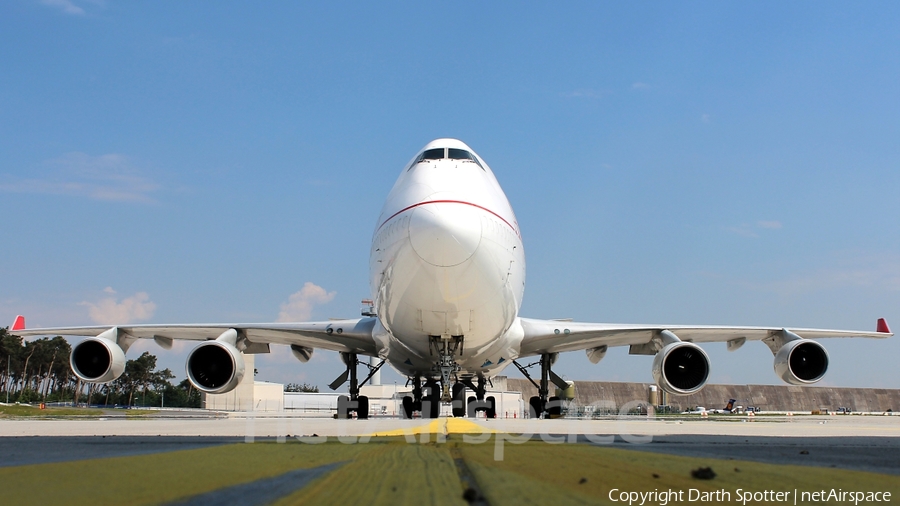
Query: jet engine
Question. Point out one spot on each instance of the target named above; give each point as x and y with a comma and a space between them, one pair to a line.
681, 368
97, 360
801, 362
215, 367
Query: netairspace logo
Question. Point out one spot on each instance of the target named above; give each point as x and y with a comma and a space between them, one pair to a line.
746, 497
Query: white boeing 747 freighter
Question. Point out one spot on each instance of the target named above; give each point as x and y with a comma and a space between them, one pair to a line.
447, 276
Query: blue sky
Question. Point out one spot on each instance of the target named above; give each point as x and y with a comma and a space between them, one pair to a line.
691, 163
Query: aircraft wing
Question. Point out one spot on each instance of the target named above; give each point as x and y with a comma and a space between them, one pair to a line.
354, 335
552, 336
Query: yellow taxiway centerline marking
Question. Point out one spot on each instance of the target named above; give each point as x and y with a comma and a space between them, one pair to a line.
440, 425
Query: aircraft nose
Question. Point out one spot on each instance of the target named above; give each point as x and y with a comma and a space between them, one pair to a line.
445, 234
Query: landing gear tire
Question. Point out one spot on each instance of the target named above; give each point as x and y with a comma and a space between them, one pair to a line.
407, 407
459, 400
343, 407
492, 407
536, 408
470, 407
362, 410
554, 409
431, 405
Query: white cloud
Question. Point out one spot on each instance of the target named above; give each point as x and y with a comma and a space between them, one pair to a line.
67, 6
752, 231
299, 306
743, 231
880, 273
109, 311
110, 177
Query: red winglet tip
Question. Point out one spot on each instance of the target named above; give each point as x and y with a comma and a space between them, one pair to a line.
19, 324
883, 326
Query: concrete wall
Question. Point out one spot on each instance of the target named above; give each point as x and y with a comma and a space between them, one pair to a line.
766, 397
268, 396
310, 403
239, 399
250, 395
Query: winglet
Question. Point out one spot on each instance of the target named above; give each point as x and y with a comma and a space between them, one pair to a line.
19, 324
882, 326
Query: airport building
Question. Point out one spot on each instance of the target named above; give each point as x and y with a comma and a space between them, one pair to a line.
249, 395
601, 397
613, 396
384, 400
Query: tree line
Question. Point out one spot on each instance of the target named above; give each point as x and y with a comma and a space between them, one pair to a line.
38, 371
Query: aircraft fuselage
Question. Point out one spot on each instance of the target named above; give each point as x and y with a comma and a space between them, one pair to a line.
447, 261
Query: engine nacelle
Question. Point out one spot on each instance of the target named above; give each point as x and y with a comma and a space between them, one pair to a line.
97, 360
215, 367
681, 368
801, 362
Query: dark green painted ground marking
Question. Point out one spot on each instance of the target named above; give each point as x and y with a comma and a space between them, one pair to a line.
259, 492
392, 471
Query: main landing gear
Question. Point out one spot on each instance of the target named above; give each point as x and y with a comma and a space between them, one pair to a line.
542, 405
354, 403
477, 403
427, 399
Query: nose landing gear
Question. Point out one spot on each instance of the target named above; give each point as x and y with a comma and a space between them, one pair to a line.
446, 347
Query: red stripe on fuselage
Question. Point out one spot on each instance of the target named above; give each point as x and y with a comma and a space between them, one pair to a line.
447, 202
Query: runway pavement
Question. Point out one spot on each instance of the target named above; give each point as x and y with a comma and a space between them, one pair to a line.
636, 427
868, 443
169, 460
860, 453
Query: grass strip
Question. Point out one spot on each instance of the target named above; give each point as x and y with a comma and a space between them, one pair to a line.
393, 472
584, 474
18, 411
162, 477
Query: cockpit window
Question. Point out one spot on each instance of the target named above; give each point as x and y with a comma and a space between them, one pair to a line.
433, 154
459, 154
462, 154
441, 153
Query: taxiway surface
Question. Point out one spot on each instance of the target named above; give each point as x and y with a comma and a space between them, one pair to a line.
866, 443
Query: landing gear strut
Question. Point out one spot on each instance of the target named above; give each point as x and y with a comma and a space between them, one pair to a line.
543, 405
355, 403
446, 347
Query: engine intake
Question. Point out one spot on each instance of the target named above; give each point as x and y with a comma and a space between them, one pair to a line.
97, 360
801, 362
681, 368
215, 367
